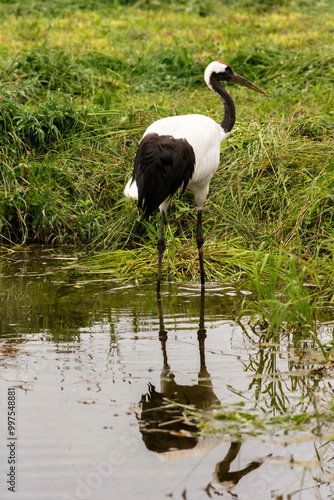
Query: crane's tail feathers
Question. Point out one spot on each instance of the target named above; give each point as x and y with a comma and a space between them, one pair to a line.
163, 164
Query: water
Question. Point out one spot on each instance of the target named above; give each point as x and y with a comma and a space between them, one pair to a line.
90, 362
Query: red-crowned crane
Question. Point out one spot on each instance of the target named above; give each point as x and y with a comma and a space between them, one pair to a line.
183, 152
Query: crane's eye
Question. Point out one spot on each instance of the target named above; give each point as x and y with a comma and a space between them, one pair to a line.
226, 75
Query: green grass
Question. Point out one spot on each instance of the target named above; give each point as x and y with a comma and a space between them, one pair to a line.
80, 82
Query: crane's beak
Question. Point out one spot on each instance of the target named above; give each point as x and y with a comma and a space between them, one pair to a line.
246, 83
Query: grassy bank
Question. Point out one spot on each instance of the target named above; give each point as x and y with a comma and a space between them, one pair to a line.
79, 83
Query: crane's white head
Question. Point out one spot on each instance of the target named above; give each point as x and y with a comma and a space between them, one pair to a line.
217, 68
219, 71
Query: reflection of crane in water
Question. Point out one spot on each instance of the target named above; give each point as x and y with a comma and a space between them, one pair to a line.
163, 422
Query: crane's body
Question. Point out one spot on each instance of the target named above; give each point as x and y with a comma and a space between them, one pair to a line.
182, 152
204, 135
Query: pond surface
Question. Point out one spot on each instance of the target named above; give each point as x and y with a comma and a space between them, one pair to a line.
90, 363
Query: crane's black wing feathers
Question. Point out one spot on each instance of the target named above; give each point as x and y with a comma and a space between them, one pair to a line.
162, 165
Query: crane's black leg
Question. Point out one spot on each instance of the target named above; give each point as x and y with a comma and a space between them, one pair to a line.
201, 335
200, 242
161, 245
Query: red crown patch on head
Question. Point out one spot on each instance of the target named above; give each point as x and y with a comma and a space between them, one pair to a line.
221, 62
